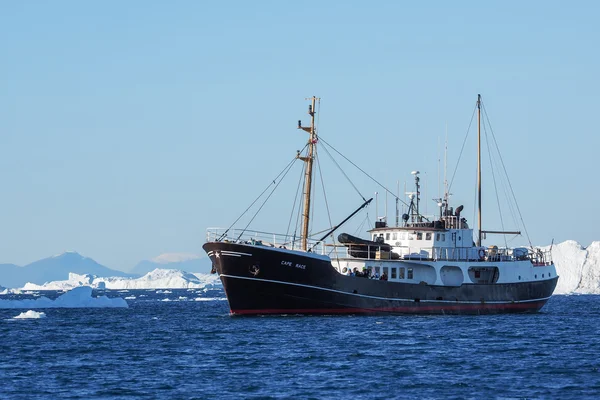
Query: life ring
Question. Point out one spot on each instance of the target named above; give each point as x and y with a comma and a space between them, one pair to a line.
481, 254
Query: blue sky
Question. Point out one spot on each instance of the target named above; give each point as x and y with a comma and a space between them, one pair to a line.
127, 128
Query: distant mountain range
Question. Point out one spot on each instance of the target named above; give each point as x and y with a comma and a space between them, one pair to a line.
58, 267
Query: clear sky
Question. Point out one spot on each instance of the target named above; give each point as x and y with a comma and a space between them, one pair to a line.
128, 127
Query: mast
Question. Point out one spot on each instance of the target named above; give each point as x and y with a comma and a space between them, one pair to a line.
479, 169
312, 140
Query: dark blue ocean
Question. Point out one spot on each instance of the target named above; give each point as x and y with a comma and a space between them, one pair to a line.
188, 349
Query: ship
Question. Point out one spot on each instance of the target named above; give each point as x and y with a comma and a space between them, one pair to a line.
419, 265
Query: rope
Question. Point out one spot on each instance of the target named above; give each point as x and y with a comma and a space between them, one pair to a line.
295, 200
361, 170
506, 173
461, 149
324, 195
259, 196
288, 168
342, 171
487, 142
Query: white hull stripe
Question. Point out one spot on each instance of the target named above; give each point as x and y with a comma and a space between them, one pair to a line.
235, 253
382, 298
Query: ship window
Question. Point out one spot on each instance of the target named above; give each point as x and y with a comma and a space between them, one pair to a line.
420, 236
535, 276
437, 237
402, 235
443, 237
428, 236
409, 274
385, 272
410, 236
374, 236
477, 274
401, 273
542, 275
394, 236
393, 273
519, 277
387, 236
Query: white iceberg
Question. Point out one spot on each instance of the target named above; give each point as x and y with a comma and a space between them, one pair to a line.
80, 297
157, 279
30, 315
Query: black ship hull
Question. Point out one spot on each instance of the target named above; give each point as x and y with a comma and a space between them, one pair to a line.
266, 280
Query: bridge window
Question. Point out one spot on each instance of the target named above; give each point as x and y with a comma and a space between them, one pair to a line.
409, 274
394, 273
428, 236
401, 273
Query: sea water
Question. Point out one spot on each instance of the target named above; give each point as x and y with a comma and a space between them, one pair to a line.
188, 347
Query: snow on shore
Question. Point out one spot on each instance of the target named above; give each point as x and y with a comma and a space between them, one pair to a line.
157, 279
80, 297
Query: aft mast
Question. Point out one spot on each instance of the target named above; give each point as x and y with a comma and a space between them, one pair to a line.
479, 169
312, 140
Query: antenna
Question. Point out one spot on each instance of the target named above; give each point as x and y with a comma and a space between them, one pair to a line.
386, 201
377, 206
397, 200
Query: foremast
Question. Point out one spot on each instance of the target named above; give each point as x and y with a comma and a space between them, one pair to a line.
312, 141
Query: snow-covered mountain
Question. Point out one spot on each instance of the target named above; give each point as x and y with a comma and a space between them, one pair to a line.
181, 261
53, 268
157, 279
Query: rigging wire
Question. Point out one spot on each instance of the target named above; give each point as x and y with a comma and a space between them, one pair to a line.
487, 142
342, 171
324, 192
461, 149
259, 196
361, 170
295, 200
288, 168
506, 173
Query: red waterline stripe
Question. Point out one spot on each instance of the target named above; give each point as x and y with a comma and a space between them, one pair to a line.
531, 305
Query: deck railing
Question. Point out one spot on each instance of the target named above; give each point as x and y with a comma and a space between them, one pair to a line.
538, 257
254, 237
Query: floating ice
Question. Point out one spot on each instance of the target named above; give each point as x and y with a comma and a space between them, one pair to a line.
210, 298
578, 267
80, 297
157, 279
31, 315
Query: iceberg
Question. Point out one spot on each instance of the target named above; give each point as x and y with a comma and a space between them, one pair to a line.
30, 315
578, 267
80, 297
157, 279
